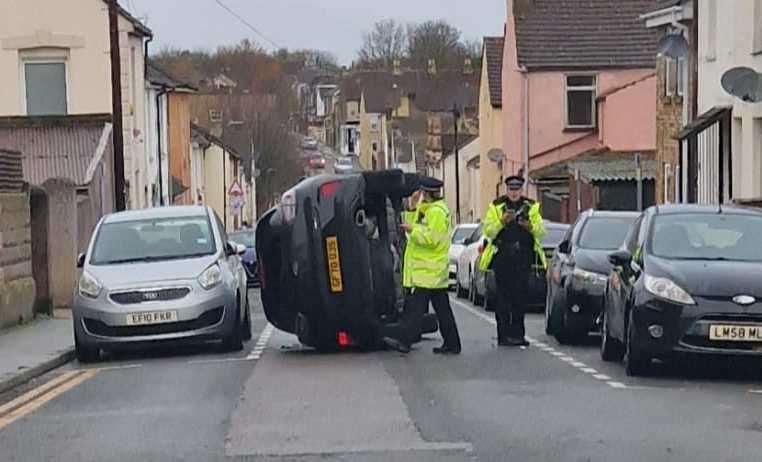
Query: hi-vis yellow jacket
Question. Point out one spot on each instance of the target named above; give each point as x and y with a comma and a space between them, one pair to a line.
493, 224
426, 263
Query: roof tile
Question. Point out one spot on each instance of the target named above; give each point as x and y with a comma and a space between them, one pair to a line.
493, 49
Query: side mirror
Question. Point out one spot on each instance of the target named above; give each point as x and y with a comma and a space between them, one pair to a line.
81, 260
468, 241
620, 258
564, 247
240, 249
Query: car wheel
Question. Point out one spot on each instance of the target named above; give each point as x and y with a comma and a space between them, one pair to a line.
611, 348
84, 353
635, 362
234, 341
567, 335
478, 300
246, 335
459, 291
550, 326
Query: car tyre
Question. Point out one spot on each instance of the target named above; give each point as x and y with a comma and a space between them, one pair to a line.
459, 291
234, 341
246, 334
635, 362
85, 354
611, 349
566, 335
478, 300
550, 324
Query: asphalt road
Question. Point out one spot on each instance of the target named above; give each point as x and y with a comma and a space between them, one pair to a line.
277, 401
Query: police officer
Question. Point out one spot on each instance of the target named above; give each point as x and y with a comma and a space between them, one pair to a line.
425, 270
514, 227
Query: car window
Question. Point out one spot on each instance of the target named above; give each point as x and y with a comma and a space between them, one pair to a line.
221, 228
553, 237
153, 239
633, 236
707, 237
245, 238
604, 233
461, 234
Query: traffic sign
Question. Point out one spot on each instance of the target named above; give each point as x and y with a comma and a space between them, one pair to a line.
235, 189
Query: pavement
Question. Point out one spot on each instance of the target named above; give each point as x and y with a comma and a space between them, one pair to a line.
277, 401
31, 350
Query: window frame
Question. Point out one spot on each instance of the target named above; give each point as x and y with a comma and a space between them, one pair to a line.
580, 88
23, 61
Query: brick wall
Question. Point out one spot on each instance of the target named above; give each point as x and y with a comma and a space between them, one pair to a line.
669, 113
17, 287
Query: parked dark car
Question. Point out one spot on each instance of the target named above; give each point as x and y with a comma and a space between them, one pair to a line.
578, 270
245, 237
330, 258
686, 281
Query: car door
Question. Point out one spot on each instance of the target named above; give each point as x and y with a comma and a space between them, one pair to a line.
232, 262
622, 280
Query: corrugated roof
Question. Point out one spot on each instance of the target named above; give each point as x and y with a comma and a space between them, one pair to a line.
55, 147
11, 172
616, 168
586, 34
493, 50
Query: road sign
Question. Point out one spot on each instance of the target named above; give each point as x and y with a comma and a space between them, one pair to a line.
235, 189
236, 203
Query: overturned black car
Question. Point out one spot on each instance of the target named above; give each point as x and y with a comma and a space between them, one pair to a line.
330, 258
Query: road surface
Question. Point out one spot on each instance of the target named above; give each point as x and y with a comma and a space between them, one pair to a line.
277, 401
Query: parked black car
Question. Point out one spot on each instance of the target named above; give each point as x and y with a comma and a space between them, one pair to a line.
686, 281
245, 237
330, 258
578, 270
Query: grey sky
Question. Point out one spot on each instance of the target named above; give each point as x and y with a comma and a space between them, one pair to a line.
331, 25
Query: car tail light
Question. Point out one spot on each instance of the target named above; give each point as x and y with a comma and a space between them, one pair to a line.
328, 190
344, 339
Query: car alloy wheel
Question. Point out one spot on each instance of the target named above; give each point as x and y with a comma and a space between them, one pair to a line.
611, 348
635, 362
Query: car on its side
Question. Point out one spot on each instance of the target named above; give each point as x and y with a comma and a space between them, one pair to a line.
577, 273
162, 274
460, 235
685, 282
246, 238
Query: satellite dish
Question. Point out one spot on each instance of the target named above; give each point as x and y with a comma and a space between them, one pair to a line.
744, 83
672, 45
496, 155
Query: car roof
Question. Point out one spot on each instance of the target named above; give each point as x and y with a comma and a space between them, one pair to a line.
610, 214
554, 225
468, 225
175, 211
676, 209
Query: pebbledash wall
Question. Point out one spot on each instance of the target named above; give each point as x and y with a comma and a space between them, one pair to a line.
17, 287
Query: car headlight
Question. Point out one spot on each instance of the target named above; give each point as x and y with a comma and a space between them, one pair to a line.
588, 276
668, 290
210, 277
89, 286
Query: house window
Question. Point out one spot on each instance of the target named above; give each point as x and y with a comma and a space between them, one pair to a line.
580, 101
45, 87
674, 76
681, 76
215, 116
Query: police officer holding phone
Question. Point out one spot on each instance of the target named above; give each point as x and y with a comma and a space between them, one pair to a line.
514, 227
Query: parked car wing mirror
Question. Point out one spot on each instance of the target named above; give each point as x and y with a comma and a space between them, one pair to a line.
620, 258
468, 241
240, 249
81, 260
564, 247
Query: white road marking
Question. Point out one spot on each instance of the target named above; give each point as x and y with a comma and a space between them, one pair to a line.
553, 352
254, 355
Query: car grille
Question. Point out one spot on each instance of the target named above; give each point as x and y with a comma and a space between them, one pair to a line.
145, 296
209, 318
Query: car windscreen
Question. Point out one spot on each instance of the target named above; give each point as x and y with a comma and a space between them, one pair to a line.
707, 237
153, 240
604, 233
245, 238
462, 233
553, 237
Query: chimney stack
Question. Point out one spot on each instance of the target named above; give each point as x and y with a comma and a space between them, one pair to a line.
468, 67
397, 67
432, 66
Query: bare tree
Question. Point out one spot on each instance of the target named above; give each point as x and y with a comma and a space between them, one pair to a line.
436, 40
384, 44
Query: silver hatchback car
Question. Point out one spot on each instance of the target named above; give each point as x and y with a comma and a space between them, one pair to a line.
163, 274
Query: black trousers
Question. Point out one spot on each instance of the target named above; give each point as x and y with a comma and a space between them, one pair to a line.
417, 305
512, 301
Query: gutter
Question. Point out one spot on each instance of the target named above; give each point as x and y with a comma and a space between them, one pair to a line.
164, 90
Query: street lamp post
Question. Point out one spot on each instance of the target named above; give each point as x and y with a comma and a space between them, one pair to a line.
456, 116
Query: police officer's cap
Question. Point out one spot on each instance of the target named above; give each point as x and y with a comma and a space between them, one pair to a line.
514, 182
430, 184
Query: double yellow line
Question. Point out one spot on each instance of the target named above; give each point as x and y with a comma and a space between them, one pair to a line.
35, 399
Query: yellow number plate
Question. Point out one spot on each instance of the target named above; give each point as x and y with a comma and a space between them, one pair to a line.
334, 264
735, 333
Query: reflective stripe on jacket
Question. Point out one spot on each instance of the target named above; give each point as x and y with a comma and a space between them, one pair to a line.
493, 224
426, 263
